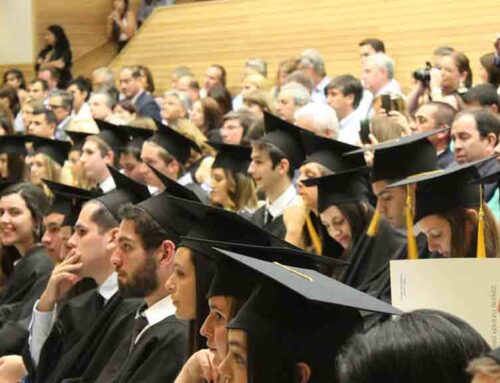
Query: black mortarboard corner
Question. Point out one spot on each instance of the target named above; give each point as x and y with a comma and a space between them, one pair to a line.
169, 215
115, 136
442, 191
55, 149
174, 188
345, 187
127, 191
289, 297
68, 200
407, 156
13, 144
330, 153
232, 157
176, 144
286, 137
78, 139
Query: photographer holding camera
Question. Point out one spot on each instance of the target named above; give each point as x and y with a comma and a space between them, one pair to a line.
445, 81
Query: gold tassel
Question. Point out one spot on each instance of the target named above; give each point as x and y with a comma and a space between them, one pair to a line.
481, 248
373, 227
412, 242
316, 241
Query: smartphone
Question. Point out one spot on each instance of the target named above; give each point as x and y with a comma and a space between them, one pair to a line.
387, 102
364, 132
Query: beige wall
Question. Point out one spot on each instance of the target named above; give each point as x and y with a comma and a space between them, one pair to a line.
228, 32
16, 32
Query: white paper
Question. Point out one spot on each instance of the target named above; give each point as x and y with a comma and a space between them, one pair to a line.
466, 287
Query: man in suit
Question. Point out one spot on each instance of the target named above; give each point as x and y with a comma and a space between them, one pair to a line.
130, 87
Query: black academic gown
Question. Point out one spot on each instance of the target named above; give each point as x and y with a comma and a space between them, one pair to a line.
82, 322
158, 355
276, 226
24, 287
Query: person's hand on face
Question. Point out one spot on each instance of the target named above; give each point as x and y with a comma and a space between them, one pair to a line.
64, 276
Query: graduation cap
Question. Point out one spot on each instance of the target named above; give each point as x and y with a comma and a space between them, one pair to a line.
285, 136
290, 297
345, 187
78, 139
442, 191
55, 149
330, 153
127, 191
13, 144
174, 188
176, 144
68, 200
403, 157
115, 136
138, 136
232, 157
169, 215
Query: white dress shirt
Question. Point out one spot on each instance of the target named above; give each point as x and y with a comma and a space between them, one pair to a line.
277, 208
42, 322
349, 128
107, 185
318, 93
156, 313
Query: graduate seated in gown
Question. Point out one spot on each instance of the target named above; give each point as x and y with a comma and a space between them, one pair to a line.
420, 346
288, 330
450, 210
64, 332
275, 157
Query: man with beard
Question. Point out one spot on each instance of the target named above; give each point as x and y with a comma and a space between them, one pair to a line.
153, 343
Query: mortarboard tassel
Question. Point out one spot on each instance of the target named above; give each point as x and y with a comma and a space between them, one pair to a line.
412, 242
373, 227
481, 249
316, 242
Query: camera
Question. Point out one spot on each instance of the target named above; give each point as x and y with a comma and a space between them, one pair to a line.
423, 74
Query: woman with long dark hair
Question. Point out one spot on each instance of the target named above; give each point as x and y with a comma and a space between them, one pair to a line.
15, 78
56, 54
122, 23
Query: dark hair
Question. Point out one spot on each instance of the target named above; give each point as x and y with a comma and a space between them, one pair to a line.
483, 94
359, 215
103, 218
205, 270
223, 74
488, 63
220, 94
420, 346
50, 117
35, 200
146, 72
463, 65
133, 148
45, 85
62, 42
6, 125
347, 84
444, 113
376, 44
486, 122
83, 84
151, 233
10, 93
245, 119
127, 105
125, 8
275, 154
19, 75
211, 112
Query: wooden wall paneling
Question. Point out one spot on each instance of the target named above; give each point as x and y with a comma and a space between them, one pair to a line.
27, 69
228, 32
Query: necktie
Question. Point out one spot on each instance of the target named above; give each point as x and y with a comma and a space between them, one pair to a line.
139, 323
267, 217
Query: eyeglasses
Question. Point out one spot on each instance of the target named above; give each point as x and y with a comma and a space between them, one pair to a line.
51, 106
